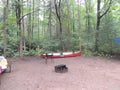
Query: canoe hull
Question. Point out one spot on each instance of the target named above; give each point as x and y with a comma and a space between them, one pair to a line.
64, 55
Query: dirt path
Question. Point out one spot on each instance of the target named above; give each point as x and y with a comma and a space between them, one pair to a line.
85, 73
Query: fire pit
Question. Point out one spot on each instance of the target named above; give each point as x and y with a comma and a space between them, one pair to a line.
61, 68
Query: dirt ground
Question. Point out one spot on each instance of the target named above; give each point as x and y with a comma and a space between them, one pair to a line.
84, 73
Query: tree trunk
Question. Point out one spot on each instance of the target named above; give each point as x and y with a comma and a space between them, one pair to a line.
73, 25
58, 13
33, 20
97, 25
88, 24
29, 27
50, 17
68, 27
4, 24
99, 16
38, 27
21, 32
79, 24
23, 28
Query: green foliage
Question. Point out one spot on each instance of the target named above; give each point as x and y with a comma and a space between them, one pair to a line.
107, 33
75, 41
12, 46
30, 52
87, 52
1, 47
50, 46
44, 43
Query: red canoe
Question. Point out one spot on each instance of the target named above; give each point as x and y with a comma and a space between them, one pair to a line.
64, 55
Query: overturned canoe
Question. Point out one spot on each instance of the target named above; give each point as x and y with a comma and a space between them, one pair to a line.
59, 55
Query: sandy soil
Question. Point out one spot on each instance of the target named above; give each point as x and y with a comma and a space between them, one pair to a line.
85, 73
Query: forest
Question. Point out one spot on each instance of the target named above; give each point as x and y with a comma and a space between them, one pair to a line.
32, 27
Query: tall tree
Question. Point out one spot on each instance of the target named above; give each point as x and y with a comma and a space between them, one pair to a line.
68, 25
4, 17
23, 27
50, 18
4, 24
39, 22
58, 13
87, 4
79, 24
33, 17
99, 17
29, 25
20, 33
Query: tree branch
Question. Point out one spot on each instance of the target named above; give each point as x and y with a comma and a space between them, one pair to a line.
56, 9
106, 10
28, 14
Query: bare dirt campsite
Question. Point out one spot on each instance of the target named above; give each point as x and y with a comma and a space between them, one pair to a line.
84, 73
